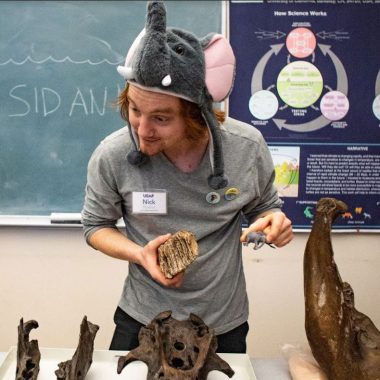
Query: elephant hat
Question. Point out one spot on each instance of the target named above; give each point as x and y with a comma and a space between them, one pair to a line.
175, 62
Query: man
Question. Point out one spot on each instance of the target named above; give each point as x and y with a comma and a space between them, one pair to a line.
155, 173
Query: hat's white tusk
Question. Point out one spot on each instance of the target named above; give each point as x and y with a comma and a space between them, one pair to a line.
166, 81
125, 72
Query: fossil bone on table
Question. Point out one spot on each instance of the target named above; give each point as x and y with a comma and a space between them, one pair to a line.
28, 352
344, 341
77, 367
177, 350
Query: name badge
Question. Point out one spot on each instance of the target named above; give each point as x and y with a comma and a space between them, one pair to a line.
149, 202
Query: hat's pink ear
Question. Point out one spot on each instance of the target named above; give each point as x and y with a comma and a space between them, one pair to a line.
220, 67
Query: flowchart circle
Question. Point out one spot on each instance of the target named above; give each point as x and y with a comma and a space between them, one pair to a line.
334, 105
301, 42
376, 106
299, 84
263, 104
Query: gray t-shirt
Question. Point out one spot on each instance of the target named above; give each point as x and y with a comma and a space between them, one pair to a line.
214, 286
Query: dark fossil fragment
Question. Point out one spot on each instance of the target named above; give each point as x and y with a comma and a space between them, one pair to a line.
344, 341
177, 350
28, 353
78, 366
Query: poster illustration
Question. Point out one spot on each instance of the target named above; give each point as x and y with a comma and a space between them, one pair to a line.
308, 77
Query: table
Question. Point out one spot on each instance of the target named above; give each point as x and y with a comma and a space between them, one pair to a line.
265, 369
271, 368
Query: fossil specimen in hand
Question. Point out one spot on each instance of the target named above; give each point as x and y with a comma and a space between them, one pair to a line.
177, 253
345, 342
78, 366
177, 350
28, 353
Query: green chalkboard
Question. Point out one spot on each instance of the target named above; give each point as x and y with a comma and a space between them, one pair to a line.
58, 78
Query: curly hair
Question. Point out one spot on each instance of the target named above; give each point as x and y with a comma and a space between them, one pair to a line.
197, 128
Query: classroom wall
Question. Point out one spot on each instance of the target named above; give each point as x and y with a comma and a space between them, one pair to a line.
51, 275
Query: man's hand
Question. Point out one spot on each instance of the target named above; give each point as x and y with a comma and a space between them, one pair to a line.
115, 244
276, 226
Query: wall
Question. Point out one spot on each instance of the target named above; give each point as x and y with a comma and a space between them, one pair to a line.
49, 274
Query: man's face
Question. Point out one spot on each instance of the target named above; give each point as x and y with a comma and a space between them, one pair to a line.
157, 120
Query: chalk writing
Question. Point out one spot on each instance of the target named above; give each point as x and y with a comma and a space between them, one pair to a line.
45, 101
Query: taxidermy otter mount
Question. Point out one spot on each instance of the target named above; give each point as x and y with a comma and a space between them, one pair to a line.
177, 350
345, 342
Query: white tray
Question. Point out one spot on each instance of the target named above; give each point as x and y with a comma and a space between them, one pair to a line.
105, 363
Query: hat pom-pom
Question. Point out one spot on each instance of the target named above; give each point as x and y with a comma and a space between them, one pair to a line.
217, 181
137, 158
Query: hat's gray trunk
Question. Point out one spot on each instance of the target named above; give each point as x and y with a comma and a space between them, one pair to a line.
154, 63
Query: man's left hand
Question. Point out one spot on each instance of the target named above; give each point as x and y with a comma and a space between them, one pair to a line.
276, 226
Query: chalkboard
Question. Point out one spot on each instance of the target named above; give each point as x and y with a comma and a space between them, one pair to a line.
58, 77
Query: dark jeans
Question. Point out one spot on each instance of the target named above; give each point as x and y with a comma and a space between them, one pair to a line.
125, 337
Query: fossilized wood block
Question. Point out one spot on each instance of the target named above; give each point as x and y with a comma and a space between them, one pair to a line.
28, 353
78, 366
344, 341
177, 350
177, 253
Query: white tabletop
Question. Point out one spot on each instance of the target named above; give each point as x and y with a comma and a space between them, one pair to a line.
265, 369
271, 369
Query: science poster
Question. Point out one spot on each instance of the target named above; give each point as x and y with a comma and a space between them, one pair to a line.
308, 77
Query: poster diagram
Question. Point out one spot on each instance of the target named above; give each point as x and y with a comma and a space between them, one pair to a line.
300, 84
286, 166
308, 77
